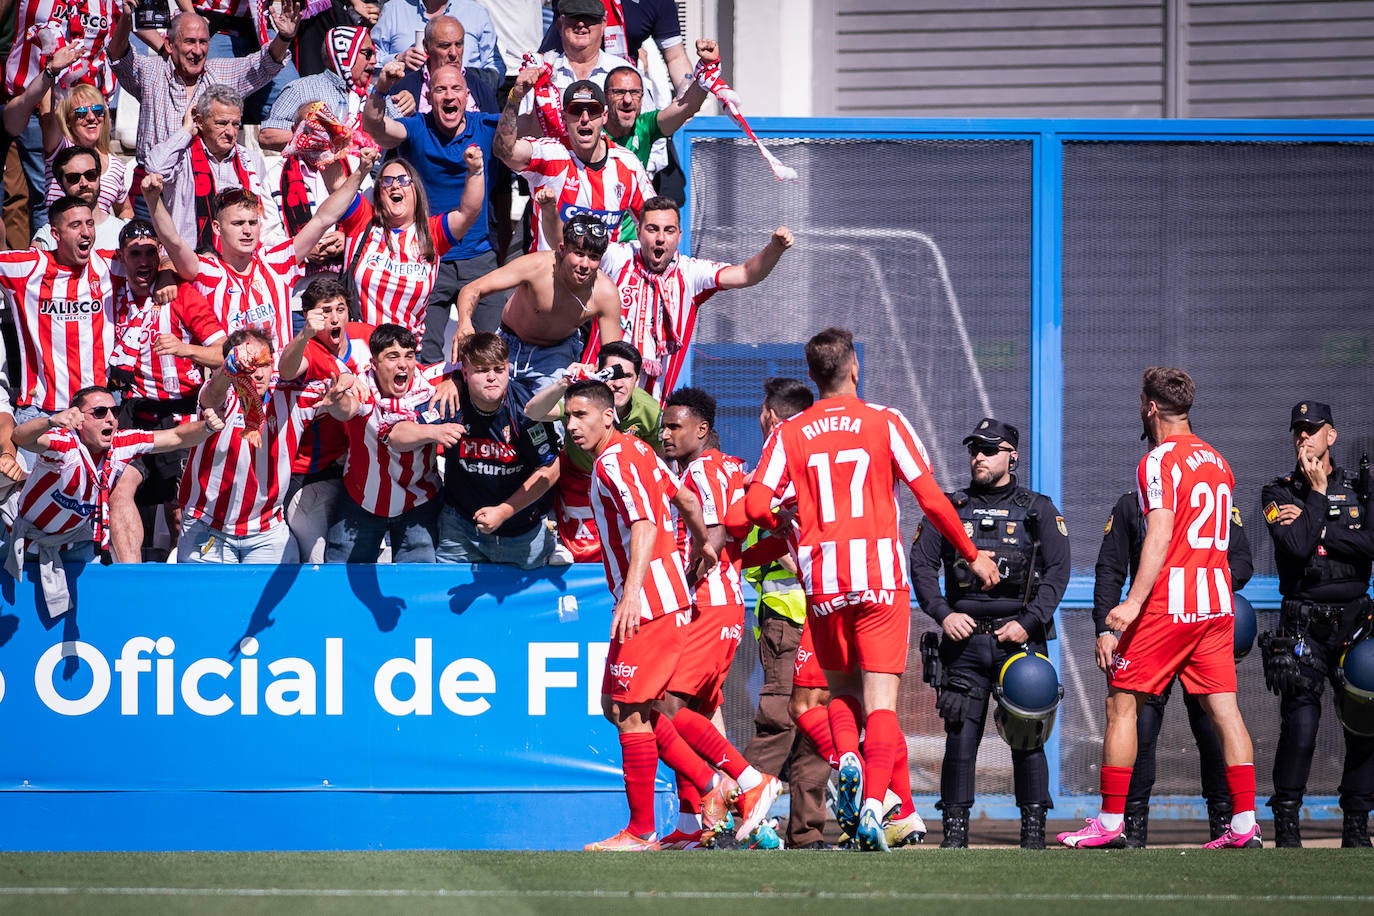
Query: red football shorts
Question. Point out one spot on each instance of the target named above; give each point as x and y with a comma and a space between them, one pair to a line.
708, 649
1155, 648
864, 631
638, 669
806, 670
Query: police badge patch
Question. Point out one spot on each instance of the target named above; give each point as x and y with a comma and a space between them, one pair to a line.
1235, 517
1059, 523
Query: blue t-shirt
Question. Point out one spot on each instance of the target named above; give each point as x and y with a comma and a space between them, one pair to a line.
440, 164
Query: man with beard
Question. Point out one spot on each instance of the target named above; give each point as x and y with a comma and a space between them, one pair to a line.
76, 170
160, 349
204, 158
62, 302
660, 290
555, 294
435, 144
983, 629
1177, 618
590, 175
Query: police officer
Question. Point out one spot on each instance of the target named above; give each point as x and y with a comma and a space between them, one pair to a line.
1323, 550
981, 629
1116, 559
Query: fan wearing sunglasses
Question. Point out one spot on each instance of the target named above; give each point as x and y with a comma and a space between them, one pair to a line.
554, 293
249, 283
84, 118
77, 170
590, 174
64, 514
983, 629
392, 245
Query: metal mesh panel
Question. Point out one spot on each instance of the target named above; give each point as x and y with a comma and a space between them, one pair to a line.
1247, 264
921, 247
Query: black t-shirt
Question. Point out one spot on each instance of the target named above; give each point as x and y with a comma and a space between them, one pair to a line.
498, 454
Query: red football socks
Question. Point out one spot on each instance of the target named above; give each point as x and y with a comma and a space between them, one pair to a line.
1240, 779
845, 712
881, 738
639, 761
706, 740
1116, 782
680, 757
901, 778
815, 722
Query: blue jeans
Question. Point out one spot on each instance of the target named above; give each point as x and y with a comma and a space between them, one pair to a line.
356, 534
199, 543
258, 105
30, 142
461, 542
532, 367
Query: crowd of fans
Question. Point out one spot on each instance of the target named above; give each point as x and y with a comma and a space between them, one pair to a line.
274, 356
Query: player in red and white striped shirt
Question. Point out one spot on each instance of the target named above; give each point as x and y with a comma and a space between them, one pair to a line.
232, 491
402, 244
632, 495
327, 346
661, 290
62, 303
158, 354
63, 510
712, 638
96, 19
590, 175
249, 286
391, 481
844, 458
1177, 618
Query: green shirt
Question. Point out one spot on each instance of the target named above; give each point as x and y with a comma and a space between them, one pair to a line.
640, 419
639, 141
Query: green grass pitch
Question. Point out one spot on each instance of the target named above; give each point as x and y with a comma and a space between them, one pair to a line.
922, 880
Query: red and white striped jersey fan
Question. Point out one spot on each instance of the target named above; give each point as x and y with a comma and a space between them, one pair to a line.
66, 324
1190, 478
658, 312
236, 488
65, 491
138, 325
845, 458
259, 298
380, 479
717, 481
97, 17
326, 440
630, 483
394, 282
606, 192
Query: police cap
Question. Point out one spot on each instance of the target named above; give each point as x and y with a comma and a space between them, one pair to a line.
993, 432
1310, 413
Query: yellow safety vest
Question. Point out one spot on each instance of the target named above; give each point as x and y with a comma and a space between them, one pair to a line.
779, 591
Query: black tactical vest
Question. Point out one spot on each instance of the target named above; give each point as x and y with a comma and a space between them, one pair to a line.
1008, 529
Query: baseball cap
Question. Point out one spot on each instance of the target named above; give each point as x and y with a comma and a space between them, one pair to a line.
590, 8
992, 432
1310, 413
581, 92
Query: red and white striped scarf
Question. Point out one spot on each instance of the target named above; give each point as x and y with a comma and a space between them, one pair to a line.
548, 105
708, 75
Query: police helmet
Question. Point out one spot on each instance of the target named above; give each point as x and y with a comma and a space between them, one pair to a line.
1028, 694
1247, 626
1355, 699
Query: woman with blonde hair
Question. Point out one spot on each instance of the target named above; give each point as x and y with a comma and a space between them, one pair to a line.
82, 118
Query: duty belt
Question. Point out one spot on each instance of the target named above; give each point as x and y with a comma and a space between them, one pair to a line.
1307, 611
988, 626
